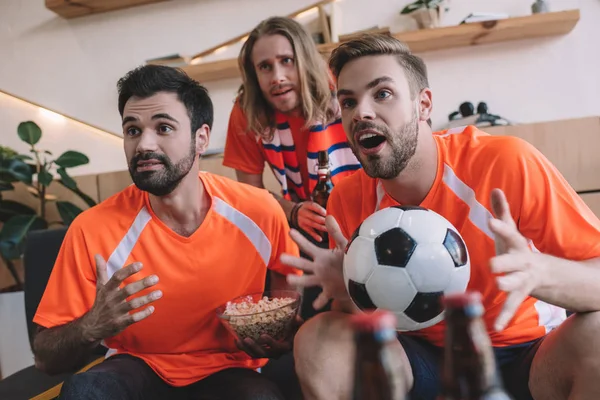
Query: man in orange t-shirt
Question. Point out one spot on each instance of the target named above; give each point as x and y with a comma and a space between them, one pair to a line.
144, 271
284, 115
534, 244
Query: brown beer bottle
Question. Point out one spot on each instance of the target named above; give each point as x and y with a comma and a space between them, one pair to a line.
373, 375
320, 193
324, 186
469, 367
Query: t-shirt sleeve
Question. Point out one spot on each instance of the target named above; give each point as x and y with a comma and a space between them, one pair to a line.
71, 289
281, 241
551, 213
242, 151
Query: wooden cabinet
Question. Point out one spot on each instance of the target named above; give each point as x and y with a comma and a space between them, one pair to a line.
593, 201
571, 145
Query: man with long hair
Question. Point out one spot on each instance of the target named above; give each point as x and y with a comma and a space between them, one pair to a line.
286, 112
534, 244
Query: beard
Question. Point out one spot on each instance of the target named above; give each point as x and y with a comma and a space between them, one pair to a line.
402, 143
165, 180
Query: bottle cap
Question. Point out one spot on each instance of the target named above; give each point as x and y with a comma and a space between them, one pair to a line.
460, 300
373, 321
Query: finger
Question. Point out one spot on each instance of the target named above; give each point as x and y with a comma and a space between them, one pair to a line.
312, 233
137, 286
303, 280
500, 206
312, 206
303, 243
101, 271
318, 222
512, 303
253, 349
509, 234
297, 262
512, 282
506, 263
130, 319
118, 277
275, 348
142, 300
321, 301
335, 232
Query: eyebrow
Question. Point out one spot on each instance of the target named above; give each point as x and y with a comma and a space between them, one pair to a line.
370, 85
278, 56
155, 116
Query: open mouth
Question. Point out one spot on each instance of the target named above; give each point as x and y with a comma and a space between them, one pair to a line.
148, 165
370, 140
278, 93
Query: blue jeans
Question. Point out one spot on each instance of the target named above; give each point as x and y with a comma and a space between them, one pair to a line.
123, 377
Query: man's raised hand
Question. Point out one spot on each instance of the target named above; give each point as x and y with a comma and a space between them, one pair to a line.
111, 312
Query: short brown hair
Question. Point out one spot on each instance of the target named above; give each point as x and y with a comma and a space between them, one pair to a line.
316, 85
376, 44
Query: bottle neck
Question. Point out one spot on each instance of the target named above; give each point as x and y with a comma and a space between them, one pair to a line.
469, 365
373, 378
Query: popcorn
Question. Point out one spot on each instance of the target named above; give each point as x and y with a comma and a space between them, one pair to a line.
267, 316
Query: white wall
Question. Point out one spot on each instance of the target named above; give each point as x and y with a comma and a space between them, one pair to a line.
73, 65
60, 134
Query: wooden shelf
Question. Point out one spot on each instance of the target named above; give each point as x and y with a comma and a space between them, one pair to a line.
78, 8
531, 26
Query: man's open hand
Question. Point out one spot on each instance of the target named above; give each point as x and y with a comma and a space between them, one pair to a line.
110, 313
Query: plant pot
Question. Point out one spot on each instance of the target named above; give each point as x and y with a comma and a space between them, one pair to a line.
427, 18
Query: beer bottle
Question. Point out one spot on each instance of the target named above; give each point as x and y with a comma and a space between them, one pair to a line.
469, 367
373, 375
320, 193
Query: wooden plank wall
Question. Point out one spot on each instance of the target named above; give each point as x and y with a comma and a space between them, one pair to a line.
572, 146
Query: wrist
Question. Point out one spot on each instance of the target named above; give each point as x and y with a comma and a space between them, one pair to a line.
86, 331
294, 215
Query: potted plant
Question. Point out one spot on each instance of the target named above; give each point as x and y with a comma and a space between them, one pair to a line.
17, 218
427, 13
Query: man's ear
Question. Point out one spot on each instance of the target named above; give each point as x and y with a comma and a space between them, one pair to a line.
425, 104
202, 136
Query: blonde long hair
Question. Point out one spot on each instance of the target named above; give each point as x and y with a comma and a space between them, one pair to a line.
316, 84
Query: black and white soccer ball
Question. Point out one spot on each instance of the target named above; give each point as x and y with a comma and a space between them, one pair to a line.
404, 260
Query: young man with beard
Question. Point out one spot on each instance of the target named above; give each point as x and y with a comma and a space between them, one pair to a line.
534, 244
286, 112
144, 271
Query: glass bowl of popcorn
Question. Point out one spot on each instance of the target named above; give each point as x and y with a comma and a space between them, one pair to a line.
266, 313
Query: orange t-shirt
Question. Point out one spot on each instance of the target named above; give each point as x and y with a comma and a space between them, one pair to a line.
244, 151
470, 164
183, 341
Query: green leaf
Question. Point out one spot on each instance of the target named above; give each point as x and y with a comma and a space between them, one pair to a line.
414, 6
70, 159
15, 170
10, 208
14, 232
29, 132
23, 157
45, 177
88, 200
48, 152
68, 211
66, 179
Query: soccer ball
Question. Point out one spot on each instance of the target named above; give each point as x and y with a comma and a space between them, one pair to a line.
404, 260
